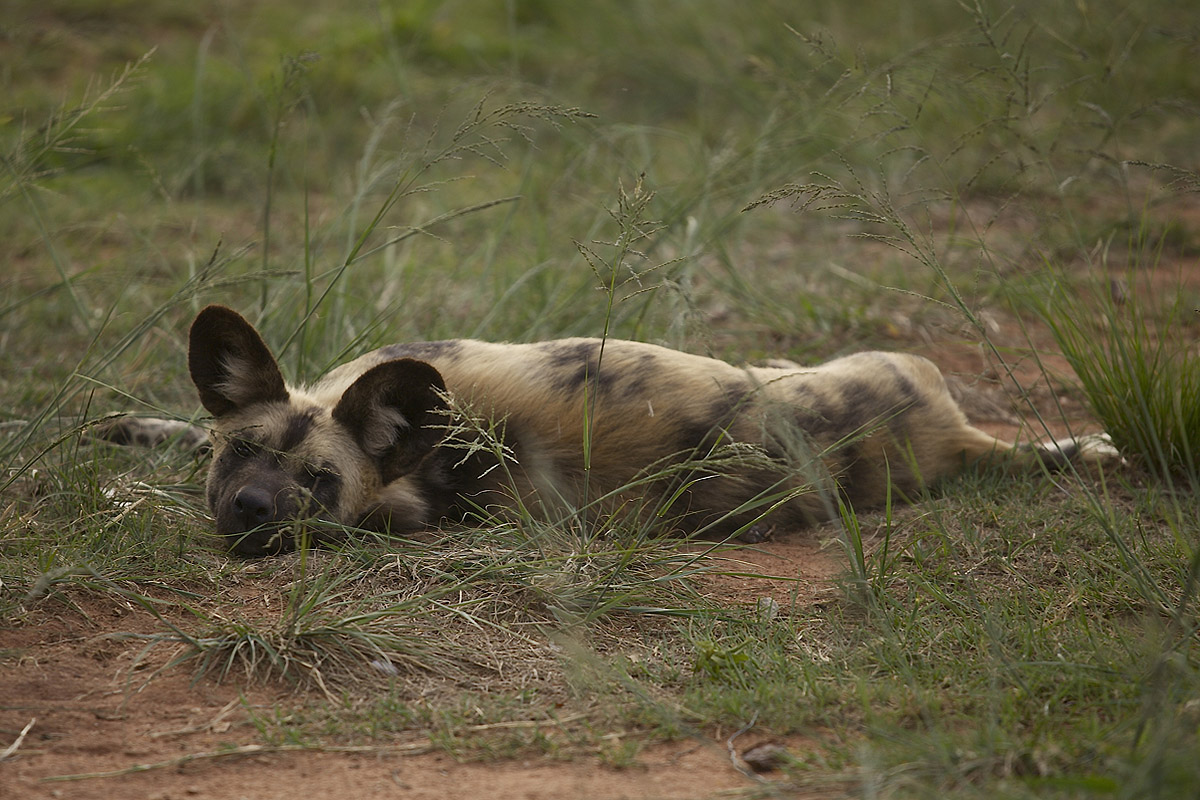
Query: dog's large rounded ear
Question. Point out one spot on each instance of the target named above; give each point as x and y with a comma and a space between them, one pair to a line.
230, 364
396, 412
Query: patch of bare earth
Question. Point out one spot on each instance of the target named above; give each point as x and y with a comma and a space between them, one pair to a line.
91, 703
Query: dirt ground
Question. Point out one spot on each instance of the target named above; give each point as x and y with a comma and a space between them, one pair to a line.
89, 712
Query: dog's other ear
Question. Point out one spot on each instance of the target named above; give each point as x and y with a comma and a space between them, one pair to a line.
230, 364
395, 411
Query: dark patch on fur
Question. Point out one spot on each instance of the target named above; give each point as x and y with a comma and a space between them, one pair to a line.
697, 436
859, 408
212, 488
853, 472
298, 426
571, 364
701, 435
324, 484
423, 351
454, 485
816, 415
563, 356
635, 379
1053, 457
222, 470
859, 404
910, 398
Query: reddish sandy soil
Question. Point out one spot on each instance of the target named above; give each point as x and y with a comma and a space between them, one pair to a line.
92, 713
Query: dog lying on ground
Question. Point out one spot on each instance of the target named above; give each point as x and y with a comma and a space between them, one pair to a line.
412, 436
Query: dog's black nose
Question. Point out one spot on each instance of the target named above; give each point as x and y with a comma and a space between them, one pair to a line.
253, 506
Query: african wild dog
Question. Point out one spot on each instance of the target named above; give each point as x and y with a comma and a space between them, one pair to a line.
380, 442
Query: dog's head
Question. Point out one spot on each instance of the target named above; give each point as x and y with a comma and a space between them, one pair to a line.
281, 457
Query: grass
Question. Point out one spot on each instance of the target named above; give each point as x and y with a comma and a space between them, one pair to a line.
1142, 379
750, 182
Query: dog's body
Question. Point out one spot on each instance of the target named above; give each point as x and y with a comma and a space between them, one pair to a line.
409, 436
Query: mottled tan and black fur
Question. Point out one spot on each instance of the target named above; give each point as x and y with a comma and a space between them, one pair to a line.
379, 442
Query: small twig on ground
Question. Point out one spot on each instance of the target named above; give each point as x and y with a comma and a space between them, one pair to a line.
527, 723
414, 749
12, 748
733, 756
211, 725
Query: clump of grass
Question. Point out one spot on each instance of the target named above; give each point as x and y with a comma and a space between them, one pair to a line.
1139, 371
329, 633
